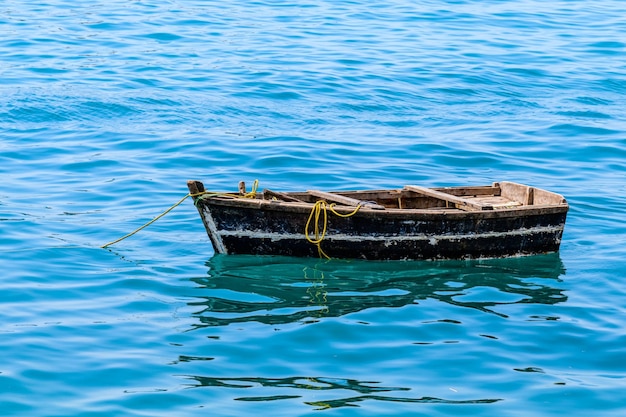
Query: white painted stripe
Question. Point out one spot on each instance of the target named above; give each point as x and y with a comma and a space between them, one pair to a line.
213, 232
432, 239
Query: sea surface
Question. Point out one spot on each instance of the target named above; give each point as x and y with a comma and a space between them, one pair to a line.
107, 108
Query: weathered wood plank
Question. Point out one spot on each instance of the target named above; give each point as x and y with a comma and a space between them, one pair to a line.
530, 196
195, 187
459, 202
348, 201
282, 196
477, 191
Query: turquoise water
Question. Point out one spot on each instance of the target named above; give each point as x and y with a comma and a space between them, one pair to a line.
108, 107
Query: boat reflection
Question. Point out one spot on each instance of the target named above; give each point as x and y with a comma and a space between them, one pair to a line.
280, 290
362, 390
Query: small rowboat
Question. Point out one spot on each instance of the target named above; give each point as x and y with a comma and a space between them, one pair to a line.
500, 220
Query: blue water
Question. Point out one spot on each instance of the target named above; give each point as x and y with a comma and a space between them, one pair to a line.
108, 107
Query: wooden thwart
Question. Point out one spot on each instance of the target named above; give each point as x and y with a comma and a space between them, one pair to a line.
347, 201
459, 202
282, 196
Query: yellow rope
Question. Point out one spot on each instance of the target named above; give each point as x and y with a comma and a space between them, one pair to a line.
320, 210
251, 194
147, 224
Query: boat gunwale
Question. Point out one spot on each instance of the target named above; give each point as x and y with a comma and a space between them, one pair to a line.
448, 212
466, 192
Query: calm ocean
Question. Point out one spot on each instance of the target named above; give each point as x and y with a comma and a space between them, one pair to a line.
107, 108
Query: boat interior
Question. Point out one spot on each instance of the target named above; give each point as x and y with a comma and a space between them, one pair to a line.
498, 196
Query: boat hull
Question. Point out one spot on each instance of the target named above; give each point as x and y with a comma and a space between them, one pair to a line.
265, 227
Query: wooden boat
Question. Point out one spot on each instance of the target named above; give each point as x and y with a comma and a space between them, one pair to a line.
500, 220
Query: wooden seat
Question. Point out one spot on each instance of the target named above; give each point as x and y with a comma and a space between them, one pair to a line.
346, 201
459, 202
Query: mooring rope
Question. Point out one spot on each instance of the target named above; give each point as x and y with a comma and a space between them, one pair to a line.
318, 212
320, 209
250, 194
151, 221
